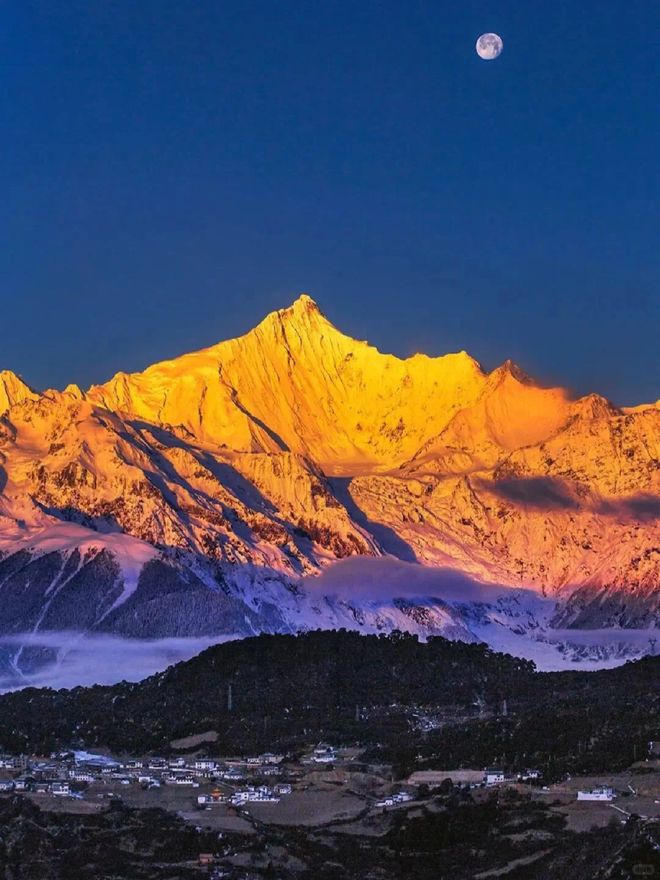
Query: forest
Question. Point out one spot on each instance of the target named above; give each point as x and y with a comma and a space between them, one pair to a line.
280, 692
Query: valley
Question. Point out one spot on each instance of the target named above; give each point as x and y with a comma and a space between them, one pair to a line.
336, 755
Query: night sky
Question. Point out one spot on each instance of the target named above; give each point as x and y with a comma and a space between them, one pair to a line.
171, 170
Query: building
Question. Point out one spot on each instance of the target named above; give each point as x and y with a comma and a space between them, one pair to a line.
7, 785
394, 800
494, 777
147, 781
323, 754
81, 776
185, 779
205, 764
60, 789
602, 793
260, 794
526, 775
215, 798
270, 758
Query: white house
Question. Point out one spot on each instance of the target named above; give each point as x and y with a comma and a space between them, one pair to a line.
260, 795
494, 777
205, 764
182, 780
270, 758
323, 754
602, 793
7, 785
215, 798
81, 775
400, 797
60, 789
146, 779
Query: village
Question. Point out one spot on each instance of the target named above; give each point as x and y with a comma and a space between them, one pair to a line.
261, 779
324, 784
324, 788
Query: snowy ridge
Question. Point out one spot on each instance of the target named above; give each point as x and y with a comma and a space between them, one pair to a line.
282, 480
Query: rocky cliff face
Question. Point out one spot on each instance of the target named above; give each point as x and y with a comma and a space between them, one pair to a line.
195, 496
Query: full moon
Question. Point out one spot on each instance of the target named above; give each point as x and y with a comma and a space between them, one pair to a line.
489, 46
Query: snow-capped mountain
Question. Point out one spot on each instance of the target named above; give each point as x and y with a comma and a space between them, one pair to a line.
207, 494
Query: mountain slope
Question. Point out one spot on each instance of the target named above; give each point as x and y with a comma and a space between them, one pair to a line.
13, 390
295, 383
193, 498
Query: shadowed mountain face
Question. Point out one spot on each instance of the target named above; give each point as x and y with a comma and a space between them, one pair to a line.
195, 497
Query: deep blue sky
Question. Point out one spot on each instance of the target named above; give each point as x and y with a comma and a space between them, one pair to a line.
172, 170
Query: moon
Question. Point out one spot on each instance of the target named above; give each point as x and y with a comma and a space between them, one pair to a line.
489, 46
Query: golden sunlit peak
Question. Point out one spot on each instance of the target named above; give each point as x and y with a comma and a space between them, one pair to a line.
304, 300
510, 369
302, 311
304, 304
13, 390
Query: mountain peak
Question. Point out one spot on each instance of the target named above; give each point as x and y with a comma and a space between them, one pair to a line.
302, 310
510, 370
13, 390
303, 319
304, 303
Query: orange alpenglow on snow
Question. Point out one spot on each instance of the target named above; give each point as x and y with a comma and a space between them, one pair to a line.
13, 390
296, 383
295, 445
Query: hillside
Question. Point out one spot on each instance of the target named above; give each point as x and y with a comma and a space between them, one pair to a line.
289, 690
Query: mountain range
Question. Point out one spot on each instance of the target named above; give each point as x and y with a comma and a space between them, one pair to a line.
295, 478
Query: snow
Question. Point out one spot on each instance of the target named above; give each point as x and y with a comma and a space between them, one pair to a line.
513, 621
131, 553
492, 488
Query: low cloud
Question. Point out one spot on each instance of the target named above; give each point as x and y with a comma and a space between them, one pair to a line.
87, 659
383, 578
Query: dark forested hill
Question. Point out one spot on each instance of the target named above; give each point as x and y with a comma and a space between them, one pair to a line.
281, 691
